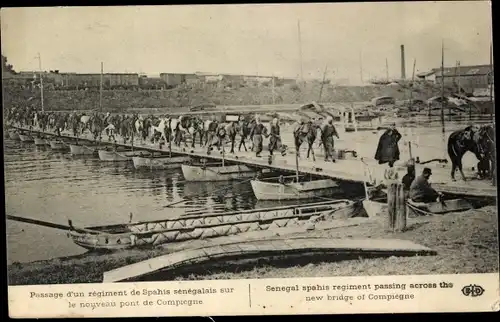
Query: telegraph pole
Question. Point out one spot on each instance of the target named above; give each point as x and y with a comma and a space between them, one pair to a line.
322, 84
300, 52
100, 90
386, 70
442, 85
490, 78
41, 79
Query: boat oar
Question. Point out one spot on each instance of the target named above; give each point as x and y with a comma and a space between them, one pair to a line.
38, 222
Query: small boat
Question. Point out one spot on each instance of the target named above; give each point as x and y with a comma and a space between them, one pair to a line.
437, 208
379, 207
26, 138
80, 149
14, 135
283, 251
216, 172
40, 141
154, 233
118, 156
160, 162
273, 189
58, 145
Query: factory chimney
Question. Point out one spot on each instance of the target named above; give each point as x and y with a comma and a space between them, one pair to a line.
403, 69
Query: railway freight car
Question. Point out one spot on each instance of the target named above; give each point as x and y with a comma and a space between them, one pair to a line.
93, 81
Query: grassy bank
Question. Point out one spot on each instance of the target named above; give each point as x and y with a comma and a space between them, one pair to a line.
173, 99
465, 242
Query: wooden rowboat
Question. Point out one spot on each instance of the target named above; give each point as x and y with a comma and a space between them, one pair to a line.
14, 135
379, 208
40, 141
26, 138
154, 233
267, 189
58, 145
119, 156
216, 172
437, 208
80, 149
159, 162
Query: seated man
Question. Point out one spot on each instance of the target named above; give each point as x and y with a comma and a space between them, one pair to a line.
421, 190
409, 177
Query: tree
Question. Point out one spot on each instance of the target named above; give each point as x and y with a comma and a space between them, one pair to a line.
7, 68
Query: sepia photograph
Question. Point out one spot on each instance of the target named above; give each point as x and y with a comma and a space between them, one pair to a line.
240, 142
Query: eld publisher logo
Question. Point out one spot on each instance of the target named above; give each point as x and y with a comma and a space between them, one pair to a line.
473, 290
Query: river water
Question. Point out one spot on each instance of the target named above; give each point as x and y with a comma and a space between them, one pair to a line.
55, 187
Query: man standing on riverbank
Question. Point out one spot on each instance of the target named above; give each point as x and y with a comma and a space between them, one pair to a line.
387, 149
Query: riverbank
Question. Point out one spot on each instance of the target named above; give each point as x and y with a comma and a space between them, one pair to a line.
188, 96
466, 242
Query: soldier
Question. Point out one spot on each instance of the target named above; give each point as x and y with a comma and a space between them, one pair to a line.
211, 133
231, 131
257, 131
328, 131
275, 139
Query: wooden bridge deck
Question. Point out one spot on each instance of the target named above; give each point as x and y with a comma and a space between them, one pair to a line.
288, 250
349, 169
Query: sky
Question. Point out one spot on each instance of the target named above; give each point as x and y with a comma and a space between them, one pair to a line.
351, 40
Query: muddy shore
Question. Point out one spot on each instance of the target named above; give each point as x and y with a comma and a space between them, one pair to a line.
465, 242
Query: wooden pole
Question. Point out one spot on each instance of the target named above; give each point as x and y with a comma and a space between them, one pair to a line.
361, 67
100, 89
409, 149
396, 201
412, 80
41, 79
274, 94
386, 70
322, 84
442, 87
300, 52
490, 78
297, 167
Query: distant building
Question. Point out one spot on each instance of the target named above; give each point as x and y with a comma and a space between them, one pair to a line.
175, 79
469, 78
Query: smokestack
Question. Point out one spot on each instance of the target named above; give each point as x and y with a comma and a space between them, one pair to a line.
403, 69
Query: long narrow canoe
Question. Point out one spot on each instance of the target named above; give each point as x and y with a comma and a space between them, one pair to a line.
277, 251
264, 190
154, 233
217, 172
159, 162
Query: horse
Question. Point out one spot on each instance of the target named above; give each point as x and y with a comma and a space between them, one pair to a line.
139, 128
461, 142
85, 122
96, 125
186, 124
306, 132
159, 129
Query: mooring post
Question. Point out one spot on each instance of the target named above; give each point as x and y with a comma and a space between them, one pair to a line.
396, 202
